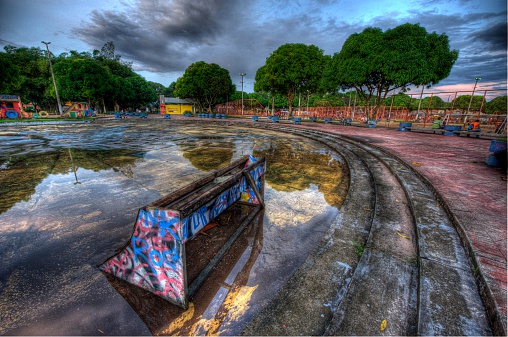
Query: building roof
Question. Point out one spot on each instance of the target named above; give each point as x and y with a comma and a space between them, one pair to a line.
176, 100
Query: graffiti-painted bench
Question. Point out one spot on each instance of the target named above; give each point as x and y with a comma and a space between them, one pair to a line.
154, 258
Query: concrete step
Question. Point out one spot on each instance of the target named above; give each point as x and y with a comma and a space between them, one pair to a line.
414, 272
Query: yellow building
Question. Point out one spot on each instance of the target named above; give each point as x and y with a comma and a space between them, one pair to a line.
175, 105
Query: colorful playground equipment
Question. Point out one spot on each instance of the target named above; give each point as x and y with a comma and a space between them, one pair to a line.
77, 109
11, 107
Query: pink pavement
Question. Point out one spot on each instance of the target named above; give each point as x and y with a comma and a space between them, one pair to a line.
475, 193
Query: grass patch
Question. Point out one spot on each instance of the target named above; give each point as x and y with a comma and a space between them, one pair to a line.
359, 248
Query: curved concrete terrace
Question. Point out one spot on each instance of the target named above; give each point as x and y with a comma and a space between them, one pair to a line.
473, 194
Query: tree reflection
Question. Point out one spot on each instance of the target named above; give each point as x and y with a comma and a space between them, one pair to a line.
292, 169
22, 174
207, 154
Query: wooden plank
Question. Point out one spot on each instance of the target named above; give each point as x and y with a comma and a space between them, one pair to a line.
163, 202
194, 204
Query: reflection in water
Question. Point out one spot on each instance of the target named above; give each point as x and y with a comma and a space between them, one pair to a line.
21, 174
209, 158
74, 168
53, 232
207, 151
291, 168
222, 289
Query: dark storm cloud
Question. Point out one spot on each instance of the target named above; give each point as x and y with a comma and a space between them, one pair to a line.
493, 37
159, 35
467, 68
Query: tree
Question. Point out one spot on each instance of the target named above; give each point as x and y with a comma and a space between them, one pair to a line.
82, 79
205, 83
133, 92
35, 78
376, 63
158, 88
462, 102
290, 70
10, 75
170, 90
108, 52
496, 105
435, 103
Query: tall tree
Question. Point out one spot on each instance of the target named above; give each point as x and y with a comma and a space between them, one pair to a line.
35, 78
290, 70
158, 88
82, 79
462, 102
496, 105
376, 63
435, 103
205, 83
10, 75
170, 90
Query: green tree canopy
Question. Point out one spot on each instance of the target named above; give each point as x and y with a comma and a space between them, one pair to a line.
290, 70
496, 105
82, 79
158, 88
34, 81
462, 102
205, 83
170, 90
10, 75
142, 92
435, 103
98, 77
375, 62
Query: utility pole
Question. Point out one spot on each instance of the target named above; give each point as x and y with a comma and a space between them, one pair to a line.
53, 76
242, 74
474, 89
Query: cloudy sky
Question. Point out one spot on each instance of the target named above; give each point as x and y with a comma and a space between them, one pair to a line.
163, 37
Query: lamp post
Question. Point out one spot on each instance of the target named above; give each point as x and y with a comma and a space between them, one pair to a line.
471, 100
242, 74
53, 76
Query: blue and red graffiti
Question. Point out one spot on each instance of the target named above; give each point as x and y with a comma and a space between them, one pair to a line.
153, 259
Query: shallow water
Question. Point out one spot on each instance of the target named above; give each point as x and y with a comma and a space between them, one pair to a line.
69, 196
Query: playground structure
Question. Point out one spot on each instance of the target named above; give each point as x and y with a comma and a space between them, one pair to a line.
77, 109
251, 106
424, 114
11, 107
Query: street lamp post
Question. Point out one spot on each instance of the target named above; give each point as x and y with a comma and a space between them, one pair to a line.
53, 76
242, 74
471, 100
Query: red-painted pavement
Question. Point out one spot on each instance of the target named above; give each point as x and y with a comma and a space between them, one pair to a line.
475, 193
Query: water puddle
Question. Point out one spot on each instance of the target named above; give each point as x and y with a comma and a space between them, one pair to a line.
69, 196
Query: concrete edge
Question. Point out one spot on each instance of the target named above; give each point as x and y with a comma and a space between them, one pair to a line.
495, 318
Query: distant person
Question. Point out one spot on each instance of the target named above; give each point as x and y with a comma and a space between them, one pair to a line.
474, 126
437, 124
499, 127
